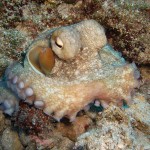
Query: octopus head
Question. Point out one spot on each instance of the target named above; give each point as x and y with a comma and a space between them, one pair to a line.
65, 43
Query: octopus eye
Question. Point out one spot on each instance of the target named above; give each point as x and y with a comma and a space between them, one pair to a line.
59, 42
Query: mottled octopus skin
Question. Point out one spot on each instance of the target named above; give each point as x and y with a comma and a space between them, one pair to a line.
93, 74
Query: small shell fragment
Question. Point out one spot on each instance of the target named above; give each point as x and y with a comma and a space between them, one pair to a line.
41, 59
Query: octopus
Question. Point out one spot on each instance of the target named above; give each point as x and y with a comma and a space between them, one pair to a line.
66, 69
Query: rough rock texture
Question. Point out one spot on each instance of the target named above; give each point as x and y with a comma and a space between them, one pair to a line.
131, 40
12, 43
4, 62
24, 138
115, 130
31, 146
2, 121
65, 144
10, 140
52, 141
145, 87
140, 114
64, 10
75, 129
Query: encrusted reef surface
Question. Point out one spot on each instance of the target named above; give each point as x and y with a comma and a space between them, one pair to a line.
116, 129
128, 28
97, 123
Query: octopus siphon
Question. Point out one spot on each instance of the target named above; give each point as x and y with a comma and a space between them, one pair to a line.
66, 69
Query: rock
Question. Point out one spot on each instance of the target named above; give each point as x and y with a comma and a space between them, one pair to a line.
72, 131
114, 131
10, 140
70, 1
4, 62
145, 72
110, 136
45, 142
1, 148
145, 88
64, 144
24, 138
139, 113
7, 122
12, 44
31, 146
54, 142
64, 10
2, 121
127, 26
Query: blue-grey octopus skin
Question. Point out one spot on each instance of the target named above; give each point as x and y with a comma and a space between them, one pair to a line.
86, 70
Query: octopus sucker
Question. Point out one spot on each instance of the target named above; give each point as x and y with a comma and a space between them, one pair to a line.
73, 66
39, 104
8, 101
20, 85
97, 103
